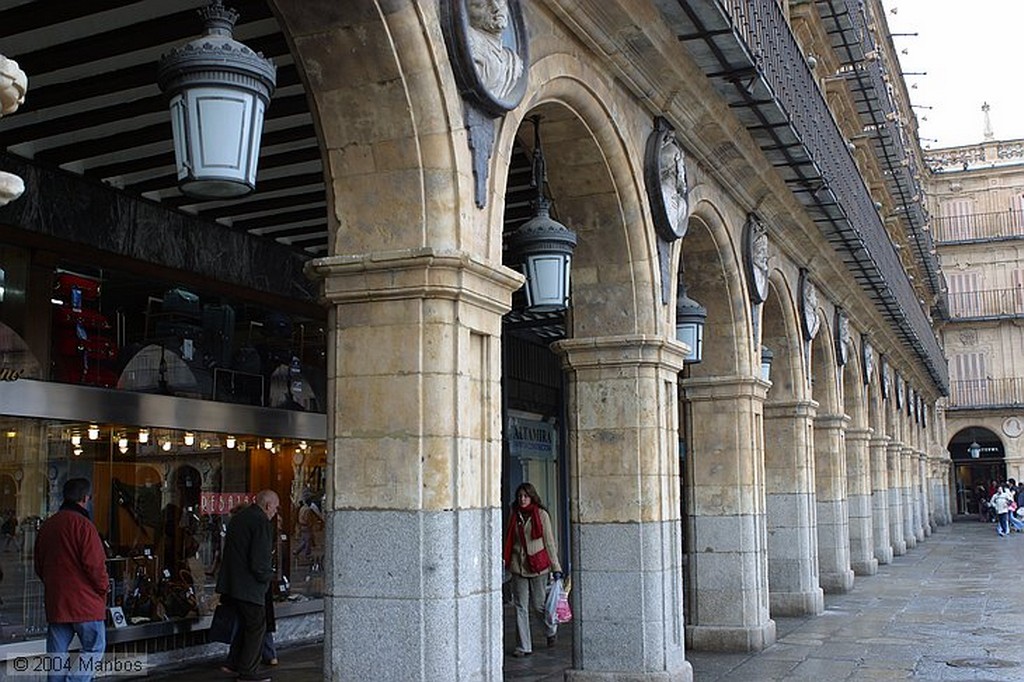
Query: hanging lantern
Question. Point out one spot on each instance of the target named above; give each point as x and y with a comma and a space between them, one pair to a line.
766, 363
218, 90
544, 245
690, 318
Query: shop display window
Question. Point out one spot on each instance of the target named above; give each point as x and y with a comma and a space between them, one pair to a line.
161, 502
118, 331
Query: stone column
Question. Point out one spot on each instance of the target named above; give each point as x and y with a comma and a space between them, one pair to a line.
833, 516
927, 523
894, 450
727, 576
414, 433
791, 512
858, 492
626, 509
940, 487
880, 500
908, 467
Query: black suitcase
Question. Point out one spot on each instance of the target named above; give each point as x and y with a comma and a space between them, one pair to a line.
182, 302
219, 332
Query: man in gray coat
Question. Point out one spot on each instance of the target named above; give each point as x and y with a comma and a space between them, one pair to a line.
245, 573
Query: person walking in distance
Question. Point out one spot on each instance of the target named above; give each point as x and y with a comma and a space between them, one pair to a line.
245, 573
531, 556
70, 560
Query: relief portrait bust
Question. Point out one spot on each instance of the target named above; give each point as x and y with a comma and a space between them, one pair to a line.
487, 48
498, 67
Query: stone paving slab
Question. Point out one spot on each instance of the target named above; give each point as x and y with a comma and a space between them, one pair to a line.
934, 614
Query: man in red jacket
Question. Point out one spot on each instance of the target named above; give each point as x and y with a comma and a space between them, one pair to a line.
70, 561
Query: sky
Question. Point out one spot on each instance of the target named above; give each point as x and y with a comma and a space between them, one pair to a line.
971, 53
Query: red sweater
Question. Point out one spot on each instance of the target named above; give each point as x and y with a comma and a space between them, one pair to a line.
69, 559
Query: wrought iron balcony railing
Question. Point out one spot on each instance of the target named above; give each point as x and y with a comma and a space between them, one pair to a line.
979, 226
748, 51
988, 303
982, 393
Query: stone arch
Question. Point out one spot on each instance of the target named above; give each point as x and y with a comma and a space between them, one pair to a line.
781, 333
990, 465
594, 168
714, 278
389, 118
824, 372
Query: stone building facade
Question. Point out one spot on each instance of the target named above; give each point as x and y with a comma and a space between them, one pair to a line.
787, 488
704, 498
975, 192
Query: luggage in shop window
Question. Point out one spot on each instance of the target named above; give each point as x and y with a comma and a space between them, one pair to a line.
88, 287
219, 328
247, 359
95, 347
277, 325
184, 338
182, 302
92, 320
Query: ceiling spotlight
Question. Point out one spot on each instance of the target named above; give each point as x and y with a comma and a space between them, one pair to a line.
268, 444
143, 436
76, 439
303, 445
122, 444
230, 442
77, 451
166, 446
94, 432
190, 438
12, 434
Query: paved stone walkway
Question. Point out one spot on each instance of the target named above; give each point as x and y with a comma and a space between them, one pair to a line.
949, 609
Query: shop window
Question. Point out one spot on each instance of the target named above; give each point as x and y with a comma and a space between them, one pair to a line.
161, 501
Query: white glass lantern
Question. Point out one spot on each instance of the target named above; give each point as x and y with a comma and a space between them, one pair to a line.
766, 363
543, 245
545, 248
974, 449
690, 318
218, 90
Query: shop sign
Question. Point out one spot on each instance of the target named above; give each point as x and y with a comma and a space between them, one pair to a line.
531, 439
223, 503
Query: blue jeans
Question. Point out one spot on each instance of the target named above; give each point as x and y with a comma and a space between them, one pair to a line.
1004, 523
93, 637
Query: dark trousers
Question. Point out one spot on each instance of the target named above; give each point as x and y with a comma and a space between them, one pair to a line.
245, 647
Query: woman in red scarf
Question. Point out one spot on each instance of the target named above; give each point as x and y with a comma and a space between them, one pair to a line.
531, 555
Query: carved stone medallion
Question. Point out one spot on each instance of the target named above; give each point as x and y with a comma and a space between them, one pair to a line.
755, 255
665, 177
843, 339
808, 306
867, 357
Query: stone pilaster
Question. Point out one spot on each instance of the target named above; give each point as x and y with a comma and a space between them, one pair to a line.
414, 490
830, 489
908, 469
858, 495
626, 508
727, 577
790, 503
893, 453
880, 499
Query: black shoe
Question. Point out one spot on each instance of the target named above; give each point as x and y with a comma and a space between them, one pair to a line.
552, 639
519, 653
